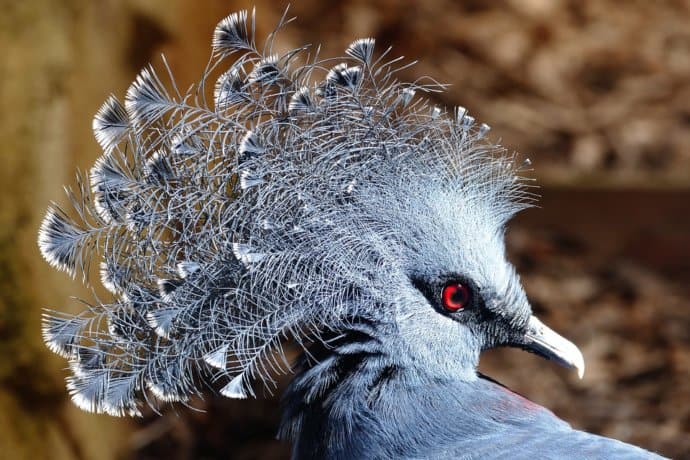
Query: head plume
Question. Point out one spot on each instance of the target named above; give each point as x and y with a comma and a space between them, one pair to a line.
277, 211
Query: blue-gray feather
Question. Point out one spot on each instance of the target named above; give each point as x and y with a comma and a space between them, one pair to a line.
310, 202
363, 402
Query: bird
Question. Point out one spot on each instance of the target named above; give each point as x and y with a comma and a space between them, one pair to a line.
319, 205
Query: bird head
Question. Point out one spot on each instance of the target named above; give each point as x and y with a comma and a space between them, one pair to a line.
463, 288
307, 202
421, 242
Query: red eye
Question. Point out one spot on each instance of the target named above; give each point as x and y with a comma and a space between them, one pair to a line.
455, 296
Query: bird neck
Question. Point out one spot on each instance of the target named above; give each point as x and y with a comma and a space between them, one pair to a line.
351, 399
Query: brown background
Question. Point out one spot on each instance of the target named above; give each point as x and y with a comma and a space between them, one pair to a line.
596, 93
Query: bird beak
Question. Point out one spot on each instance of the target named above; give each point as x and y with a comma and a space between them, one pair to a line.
545, 342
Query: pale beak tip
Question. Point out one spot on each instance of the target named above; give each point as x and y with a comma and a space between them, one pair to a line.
579, 365
577, 360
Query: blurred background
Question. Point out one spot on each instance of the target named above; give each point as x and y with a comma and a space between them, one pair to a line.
596, 93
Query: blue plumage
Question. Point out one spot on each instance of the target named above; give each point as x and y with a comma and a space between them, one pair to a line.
358, 405
325, 204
